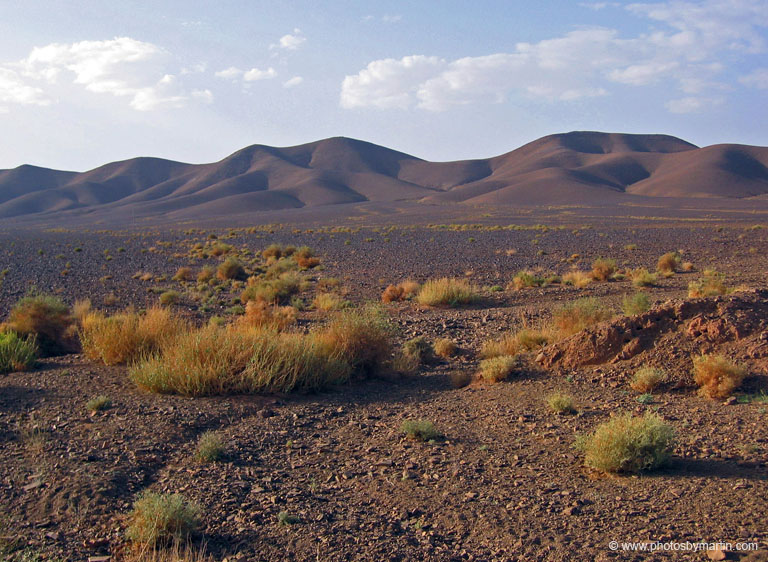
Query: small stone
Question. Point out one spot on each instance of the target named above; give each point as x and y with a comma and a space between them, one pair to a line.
715, 554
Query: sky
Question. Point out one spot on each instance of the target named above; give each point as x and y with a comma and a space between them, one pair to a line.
86, 82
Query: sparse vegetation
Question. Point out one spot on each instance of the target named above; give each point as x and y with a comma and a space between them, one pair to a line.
668, 263
527, 279
514, 343
646, 379
158, 519
184, 274
45, 317
420, 349
447, 292
641, 277
635, 304
329, 301
497, 369
717, 376
711, 284
444, 347
279, 290
403, 291
285, 518
420, 430
17, 353
231, 268
98, 404
603, 268
628, 444
577, 278
169, 297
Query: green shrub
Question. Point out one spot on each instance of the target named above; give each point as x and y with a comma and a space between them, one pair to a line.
210, 447
98, 404
421, 430
561, 403
157, 519
169, 297
635, 304
420, 349
17, 353
277, 291
230, 268
711, 284
628, 444
526, 279
646, 379
641, 277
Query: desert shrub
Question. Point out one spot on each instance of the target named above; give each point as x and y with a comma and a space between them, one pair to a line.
577, 278
220, 248
641, 277
274, 251
230, 268
419, 348
48, 319
17, 353
561, 403
711, 284
262, 314
444, 347
160, 518
286, 518
329, 301
305, 258
668, 263
514, 343
646, 379
420, 430
628, 444
526, 279
278, 290
184, 274
580, 314
404, 363
687, 266
603, 268
206, 274
446, 292
496, 369
98, 404
124, 337
400, 292
717, 376
635, 304
361, 337
169, 297
210, 447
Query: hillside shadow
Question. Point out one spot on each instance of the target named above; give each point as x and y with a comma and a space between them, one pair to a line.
712, 468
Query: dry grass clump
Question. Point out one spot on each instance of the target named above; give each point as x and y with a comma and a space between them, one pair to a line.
641, 277
577, 278
635, 304
400, 292
305, 258
711, 284
628, 444
447, 292
443, 347
184, 274
514, 343
420, 430
527, 279
262, 314
231, 268
688, 266
210, 447
176, 552
580, 314
45, 317
561, 403
278, 290
98, 404
17, 353
668, 263
603, 268
206, 274
646, 379
420, 349
497, 369
158, 519
717, 376
169, 297
277, 251
129, 335
329, 301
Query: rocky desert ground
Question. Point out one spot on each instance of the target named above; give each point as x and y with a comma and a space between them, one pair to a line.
330, 474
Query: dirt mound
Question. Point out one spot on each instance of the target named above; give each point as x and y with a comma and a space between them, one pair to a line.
670, 335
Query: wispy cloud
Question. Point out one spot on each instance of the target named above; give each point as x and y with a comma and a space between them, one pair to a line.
293, 82
234, 73
684, 47
290, 41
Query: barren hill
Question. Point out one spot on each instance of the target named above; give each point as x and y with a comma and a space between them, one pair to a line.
576, 167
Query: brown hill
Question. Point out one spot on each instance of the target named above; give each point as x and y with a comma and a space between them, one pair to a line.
584, 167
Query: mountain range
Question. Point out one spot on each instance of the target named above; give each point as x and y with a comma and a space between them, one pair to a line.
567, 168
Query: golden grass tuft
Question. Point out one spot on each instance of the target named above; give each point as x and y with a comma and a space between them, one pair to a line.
329, 301
578, 315
641, 277
17, 353
158, 519
628, 444
711, 284
635, 304
717, 376
278, 290
447, 292
184, 274
400, 292
646, 379
260, 314
127, 336
231, 268
577, 278
561, 403
497, 369
514, 343
444, 347
603, 268
46, 318
668, 263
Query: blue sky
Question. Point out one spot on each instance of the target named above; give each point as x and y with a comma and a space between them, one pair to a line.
85, 82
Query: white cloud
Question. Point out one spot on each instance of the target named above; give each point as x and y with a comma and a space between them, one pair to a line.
691, 104
293, 82
13, 89
684, 51
229, 73
121, 67
290, 41
256, 74
758, 78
